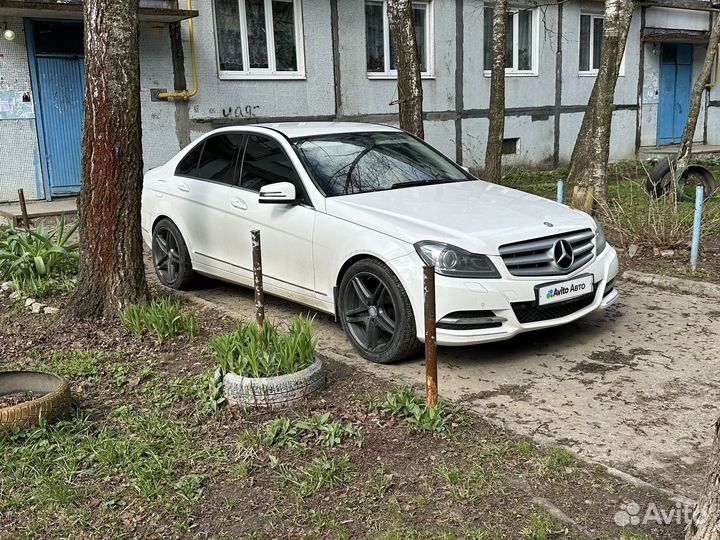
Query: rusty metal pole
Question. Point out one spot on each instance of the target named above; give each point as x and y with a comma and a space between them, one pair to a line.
258, 279
431, 373
23, 209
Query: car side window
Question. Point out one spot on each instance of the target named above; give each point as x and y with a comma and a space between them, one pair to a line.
188, 165
266, 162
219, 158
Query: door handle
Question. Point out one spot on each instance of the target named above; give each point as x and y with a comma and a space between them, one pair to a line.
237, 202
182, 186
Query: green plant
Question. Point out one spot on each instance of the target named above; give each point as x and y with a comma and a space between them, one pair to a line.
160, 317
31, 258
252, 352
279, 432
320, 472
542, 527
404, 402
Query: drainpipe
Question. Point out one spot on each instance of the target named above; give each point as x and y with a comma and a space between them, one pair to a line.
186, 95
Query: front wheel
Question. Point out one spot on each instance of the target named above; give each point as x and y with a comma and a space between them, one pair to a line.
375, 313
171, 258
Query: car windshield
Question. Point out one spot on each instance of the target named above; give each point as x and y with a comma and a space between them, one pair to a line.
347, 163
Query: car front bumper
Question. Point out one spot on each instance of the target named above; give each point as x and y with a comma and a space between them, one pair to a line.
512, 300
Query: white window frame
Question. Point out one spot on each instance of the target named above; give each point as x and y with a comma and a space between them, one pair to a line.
534, 44
270, 72
388, 73
593, 72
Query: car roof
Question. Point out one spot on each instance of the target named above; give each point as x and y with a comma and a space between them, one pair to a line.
295, 130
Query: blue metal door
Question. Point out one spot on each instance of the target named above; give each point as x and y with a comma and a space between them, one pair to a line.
61, 82
675, 89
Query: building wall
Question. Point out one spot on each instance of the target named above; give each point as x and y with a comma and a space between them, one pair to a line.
19, 161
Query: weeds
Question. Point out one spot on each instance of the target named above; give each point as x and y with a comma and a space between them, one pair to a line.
405, 403
468, 485
542, 527
285, 432
161, 318
38, 261
320, 472
250, 352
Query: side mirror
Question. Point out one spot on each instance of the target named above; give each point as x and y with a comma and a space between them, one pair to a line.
278, 193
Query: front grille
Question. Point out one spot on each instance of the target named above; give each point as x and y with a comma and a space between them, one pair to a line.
528, 312
535, 257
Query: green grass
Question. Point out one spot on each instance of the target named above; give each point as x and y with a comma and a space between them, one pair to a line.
127, 456
542, 527
405, 403
469, 484
161, 318
251, 352
320, 472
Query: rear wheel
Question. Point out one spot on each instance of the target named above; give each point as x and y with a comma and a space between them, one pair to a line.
171, 258
375, 313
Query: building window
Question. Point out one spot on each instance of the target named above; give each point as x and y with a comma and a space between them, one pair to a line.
591, 31
259, 38
520, 41
380, 49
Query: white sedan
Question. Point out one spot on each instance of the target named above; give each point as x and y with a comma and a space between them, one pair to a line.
350, 213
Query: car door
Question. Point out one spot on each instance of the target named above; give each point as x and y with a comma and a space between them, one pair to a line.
285, 229
204, 190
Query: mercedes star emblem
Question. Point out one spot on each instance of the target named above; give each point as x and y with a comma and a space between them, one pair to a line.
563, 254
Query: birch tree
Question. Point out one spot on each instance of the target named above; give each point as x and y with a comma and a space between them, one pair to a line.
705, 523
696, 97
111, 273
407, 61
588, 167
496, 117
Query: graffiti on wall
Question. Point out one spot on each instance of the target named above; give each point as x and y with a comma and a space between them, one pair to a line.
16, 105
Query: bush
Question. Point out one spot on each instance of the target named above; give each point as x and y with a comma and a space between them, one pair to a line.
35, 260
249, 352
161, 317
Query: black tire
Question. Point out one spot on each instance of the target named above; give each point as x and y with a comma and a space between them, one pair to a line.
660, 180
696, 175
171, 258
376, 314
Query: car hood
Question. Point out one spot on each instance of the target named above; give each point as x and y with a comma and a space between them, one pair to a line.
474, 215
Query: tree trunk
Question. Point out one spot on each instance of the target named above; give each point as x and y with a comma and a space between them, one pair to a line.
705, 524
111, 273
410, 91
496, 124
696, 98
588, 169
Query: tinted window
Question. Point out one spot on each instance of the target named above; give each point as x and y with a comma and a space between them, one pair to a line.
218, 158
188, 166
360, 162
265, 163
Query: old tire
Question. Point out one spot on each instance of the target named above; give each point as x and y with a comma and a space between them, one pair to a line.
376, 313
171, 258
696, 175
53, 403
277, 392
660, 179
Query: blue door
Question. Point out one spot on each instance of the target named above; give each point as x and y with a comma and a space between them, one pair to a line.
61, 98
675, 88
58, 72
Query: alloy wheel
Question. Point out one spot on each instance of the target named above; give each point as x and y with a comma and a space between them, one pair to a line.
369, 312
166, 256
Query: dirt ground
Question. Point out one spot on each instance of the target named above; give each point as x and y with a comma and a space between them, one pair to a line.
138, 459
633, 387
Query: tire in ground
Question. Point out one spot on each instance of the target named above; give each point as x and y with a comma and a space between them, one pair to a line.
376, 314
278, 392
53, 401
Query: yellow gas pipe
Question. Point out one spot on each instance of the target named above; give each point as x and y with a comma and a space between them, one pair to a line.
186, 95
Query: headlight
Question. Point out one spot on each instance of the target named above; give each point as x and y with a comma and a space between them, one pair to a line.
455, 262
600, 242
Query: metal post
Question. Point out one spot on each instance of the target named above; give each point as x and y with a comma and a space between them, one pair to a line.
431, 374
560, 191
257, 278
697, 227
23, 209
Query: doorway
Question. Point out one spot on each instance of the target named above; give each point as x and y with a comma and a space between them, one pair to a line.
675, 88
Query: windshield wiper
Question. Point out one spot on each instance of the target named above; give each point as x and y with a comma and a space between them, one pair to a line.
418, 183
